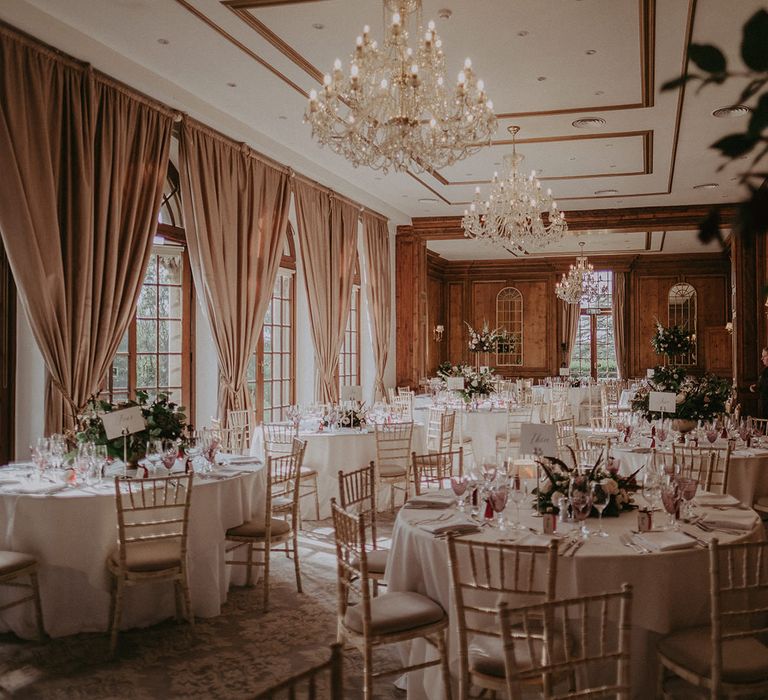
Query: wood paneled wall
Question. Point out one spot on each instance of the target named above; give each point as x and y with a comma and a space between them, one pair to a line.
459, 291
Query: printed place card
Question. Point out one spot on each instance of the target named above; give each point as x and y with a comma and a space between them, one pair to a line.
126, 421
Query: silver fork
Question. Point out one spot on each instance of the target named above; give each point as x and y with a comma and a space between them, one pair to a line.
627, 541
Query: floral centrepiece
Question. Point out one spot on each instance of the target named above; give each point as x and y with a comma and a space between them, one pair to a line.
697, 398
347, 417
552, 491
164, 420
487, 340
672, 340
476, 383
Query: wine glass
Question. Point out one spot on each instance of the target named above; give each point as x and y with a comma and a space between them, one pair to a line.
498, 497
170, 453
600, 500
580, 498
670, 498
153, 453
99, 459
688, 489
58, 447
652, 488
41, 456
518, 493
459, 486
712, 433
193, 448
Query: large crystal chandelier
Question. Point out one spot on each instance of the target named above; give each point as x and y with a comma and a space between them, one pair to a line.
394, 109
581, 283
511, 217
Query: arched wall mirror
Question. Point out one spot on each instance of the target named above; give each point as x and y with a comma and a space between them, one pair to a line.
681, 311
509, 318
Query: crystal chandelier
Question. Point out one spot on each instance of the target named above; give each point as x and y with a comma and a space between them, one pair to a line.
511, 216
581, 284
394, 109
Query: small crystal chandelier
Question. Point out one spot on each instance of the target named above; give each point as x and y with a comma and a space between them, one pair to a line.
511, 216
581, 284
394, 109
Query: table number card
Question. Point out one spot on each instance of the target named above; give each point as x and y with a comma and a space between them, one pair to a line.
455, 383
664, 401
538, 439
352, 392
650, 373
126, 421
565, 371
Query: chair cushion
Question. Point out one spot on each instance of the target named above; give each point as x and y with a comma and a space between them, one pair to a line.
13, 561
744, 660
392, 470
281, 503
154, 555
395, 612
256, 529
305, 472
377, 561
486, 654
762, 503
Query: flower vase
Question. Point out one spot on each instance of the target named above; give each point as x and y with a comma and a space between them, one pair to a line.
477, 362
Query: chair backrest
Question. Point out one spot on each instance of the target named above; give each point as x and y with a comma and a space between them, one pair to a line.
405, 391
240, 433
393, 444
434, 470
738, 582
283, 481
153, 510
604, 422
440, 430
566, 432
322, 682
695, 462
571, 638
481, 572
352, 581
403, 405
357, 493
278, 438
717, 477
759, 425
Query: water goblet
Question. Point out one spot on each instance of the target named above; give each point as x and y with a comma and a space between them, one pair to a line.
41, 456
580, 498
169, 454
600, 500
99, 459
518, 492
498, 497
652, 488
153, 453
58, 446
671, 498
193, 448
688, 489
459, 487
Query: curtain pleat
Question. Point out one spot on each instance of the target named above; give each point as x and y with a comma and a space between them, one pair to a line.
619, 322
569, 329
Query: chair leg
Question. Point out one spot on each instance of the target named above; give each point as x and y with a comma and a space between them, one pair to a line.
317, 498
177, 599
296, 564
187, 599
117, 613
38, 605
660, 681
249, 566
267, 552
368, 672
445, 668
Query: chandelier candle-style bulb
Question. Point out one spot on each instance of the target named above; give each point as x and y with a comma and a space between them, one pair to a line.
395, 109
512, 215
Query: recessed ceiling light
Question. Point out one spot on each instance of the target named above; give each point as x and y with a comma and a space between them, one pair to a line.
283, 117
572, 158
403, 195
612, 165
706, 186
231, 84
609, 145
731, 112
589, 123
599, 92
606, 192
498, 162
318, 25
428, 200
590, 52
378, 177
522, 33
444, 13
164, 42
468, 174
541, 78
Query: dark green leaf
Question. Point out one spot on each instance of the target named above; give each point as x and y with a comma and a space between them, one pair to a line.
754, 43
707, 57
677, 82
710, 228
752, 89
759, 119
735, 145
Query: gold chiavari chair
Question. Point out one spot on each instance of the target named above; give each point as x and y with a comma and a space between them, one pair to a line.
322, 682
15, 566
510, 441
759, 425
239, 424
564, 641
280, 523
435, 470
566, 435
387, 619
403, 406
440, 430
393, 452
480, 573
278, 440
152, 529
728, 657
717, 477
706, 464
357, 494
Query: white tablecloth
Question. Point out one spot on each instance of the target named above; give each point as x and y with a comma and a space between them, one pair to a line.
577, 395
747, 476
346, 449
72, 532
670, 589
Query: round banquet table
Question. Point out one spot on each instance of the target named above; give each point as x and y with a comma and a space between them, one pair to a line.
747, 475
71, 531
344, 449
670, 588
577, 395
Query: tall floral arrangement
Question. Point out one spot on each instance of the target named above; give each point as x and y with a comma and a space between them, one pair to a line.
485, 340
672, 340
164, 420
476, 383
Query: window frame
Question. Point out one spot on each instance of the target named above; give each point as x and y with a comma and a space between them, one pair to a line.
356, 309
593, 313
516, 299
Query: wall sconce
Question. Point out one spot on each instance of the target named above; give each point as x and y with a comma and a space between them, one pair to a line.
437, 333
729, 326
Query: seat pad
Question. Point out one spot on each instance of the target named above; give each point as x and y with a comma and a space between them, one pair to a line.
395, 612
377, 561
392, 470
154, 555
257, 529
13, 561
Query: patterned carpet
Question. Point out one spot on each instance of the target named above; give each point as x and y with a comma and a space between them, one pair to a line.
232, 656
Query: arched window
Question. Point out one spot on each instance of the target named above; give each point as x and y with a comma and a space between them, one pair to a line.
681, 311
509, 318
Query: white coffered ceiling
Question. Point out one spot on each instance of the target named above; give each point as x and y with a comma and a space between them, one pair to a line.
545, 64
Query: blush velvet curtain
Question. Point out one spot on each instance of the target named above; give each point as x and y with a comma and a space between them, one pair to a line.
84, 160
378, 288
328, 243
235, 217
620, 322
